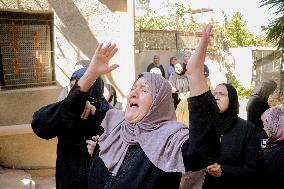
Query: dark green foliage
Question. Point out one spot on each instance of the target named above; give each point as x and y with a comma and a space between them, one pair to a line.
276, 27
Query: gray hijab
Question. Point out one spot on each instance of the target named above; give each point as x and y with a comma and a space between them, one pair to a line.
180, 82
158, 133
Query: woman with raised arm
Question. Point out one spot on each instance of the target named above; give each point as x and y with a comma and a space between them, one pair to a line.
72, 128
144, 146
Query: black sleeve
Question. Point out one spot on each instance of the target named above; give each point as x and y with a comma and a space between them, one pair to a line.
71, 110
46, 121
74, 104
57, 118
94, 124
203, 146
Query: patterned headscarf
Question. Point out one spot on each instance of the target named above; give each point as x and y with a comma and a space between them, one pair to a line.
273, 121
158, 133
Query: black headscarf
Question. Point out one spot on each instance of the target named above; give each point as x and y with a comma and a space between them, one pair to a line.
264, 89
96, 97
229, 117
98, 89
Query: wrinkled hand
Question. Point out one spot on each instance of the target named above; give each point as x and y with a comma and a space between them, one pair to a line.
99, 64
91, 144
214, 170
89, 108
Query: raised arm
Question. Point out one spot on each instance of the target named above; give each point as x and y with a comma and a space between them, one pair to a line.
195, 66
203, 146
75, 102
99, 65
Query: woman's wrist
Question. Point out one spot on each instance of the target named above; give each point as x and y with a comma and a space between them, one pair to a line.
91, 74
87, 81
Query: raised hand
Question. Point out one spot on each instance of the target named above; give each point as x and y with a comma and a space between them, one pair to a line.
195, 66
100, 62
99, 65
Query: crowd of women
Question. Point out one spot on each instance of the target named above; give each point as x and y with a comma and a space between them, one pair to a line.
146, 147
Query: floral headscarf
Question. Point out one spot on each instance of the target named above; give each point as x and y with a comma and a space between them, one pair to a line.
273, 121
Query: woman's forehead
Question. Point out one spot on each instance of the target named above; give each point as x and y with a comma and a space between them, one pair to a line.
141, 82
221, 88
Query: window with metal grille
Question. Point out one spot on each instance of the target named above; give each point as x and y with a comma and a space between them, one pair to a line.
26, 49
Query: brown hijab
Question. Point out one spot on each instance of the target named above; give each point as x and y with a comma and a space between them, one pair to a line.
158, 133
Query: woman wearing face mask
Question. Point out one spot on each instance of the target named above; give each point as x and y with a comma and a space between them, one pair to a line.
180, 81
144, 146
239, 144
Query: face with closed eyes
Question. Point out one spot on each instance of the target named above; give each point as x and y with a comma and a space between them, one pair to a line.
139, 101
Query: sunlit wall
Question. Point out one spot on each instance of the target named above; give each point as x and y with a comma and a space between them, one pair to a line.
78, 28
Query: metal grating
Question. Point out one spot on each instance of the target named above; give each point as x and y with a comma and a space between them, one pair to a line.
26, 50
